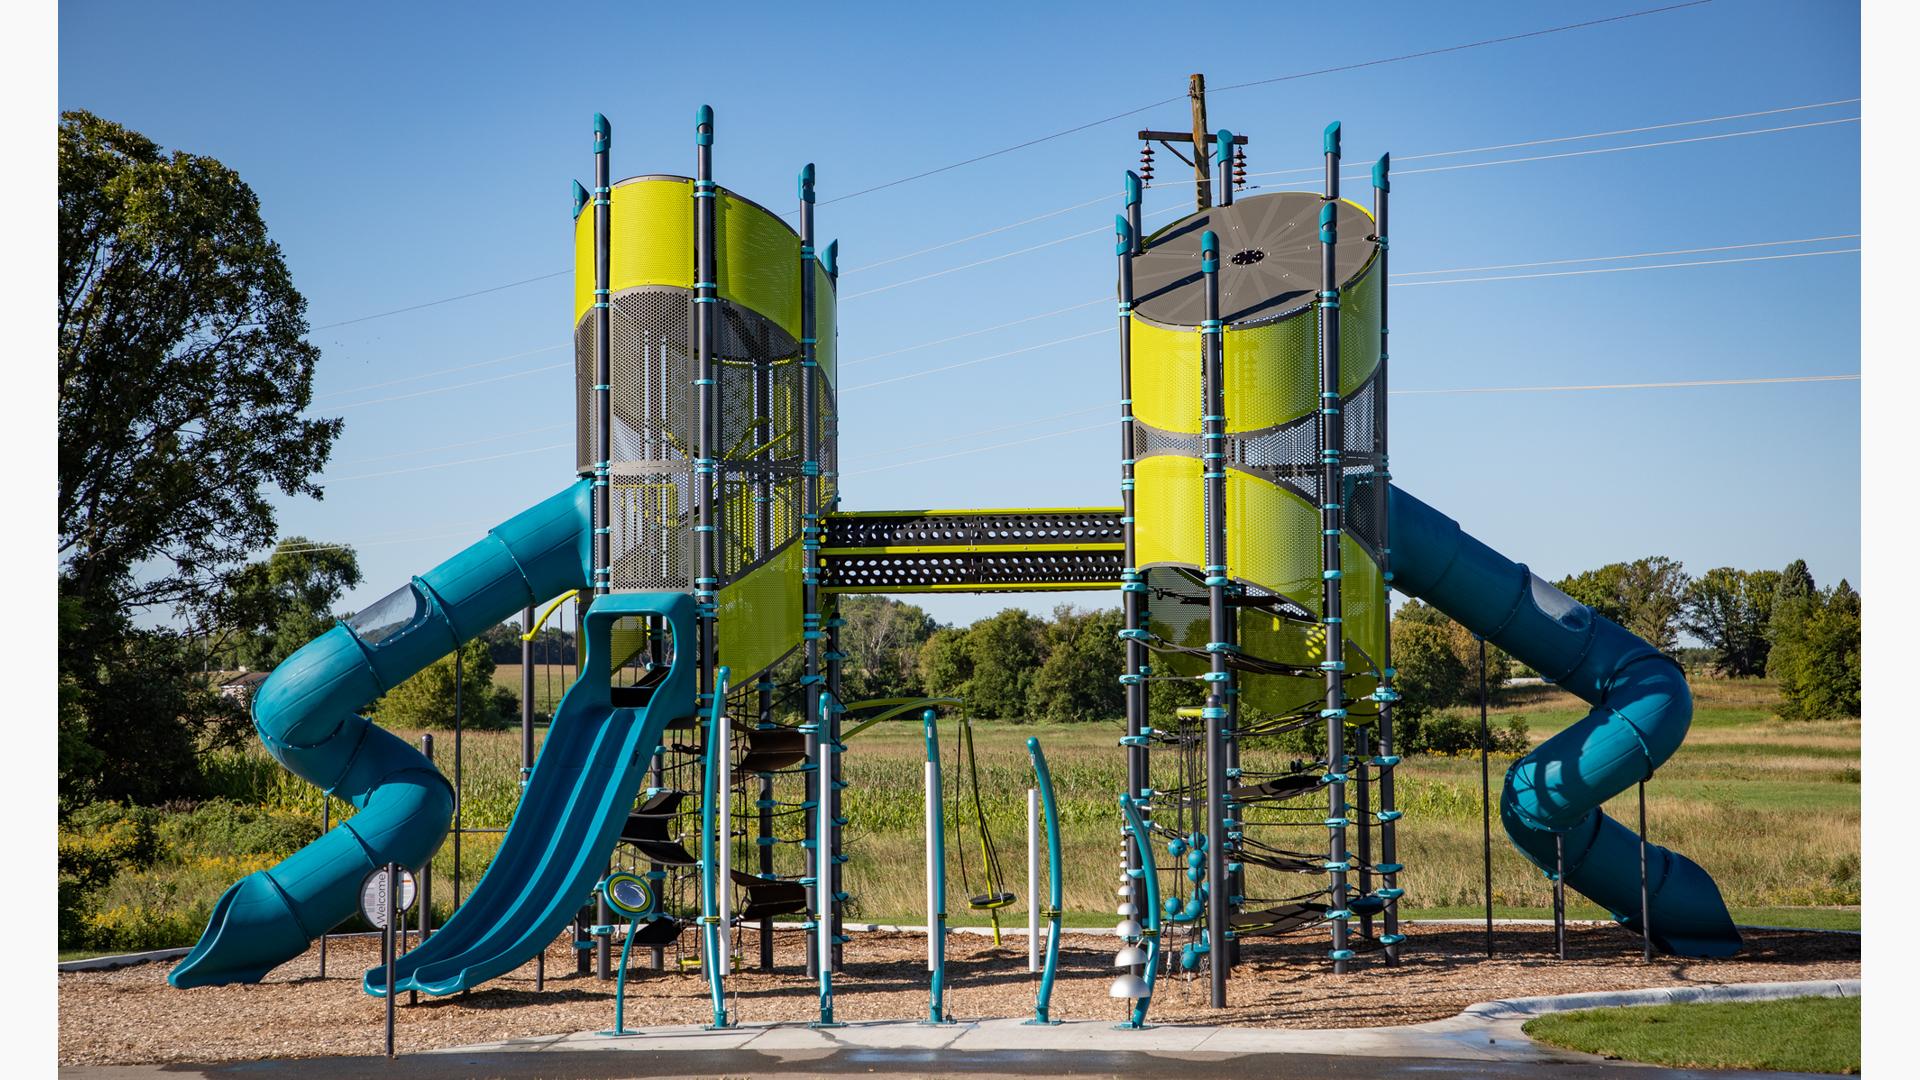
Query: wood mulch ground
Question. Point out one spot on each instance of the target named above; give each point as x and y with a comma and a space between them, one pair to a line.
131, 1015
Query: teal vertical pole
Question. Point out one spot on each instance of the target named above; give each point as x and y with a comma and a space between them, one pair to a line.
1332, 493
1044, 780
602, 445
936, 878
620, 983
1384, 694
1143, 840
713, 935
1223, 159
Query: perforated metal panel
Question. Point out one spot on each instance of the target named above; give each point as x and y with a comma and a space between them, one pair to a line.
972, 550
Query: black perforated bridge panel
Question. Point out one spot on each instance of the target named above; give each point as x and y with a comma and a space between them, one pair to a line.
972, 550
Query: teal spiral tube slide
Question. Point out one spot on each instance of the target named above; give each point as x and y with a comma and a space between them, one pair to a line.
1641, 711
305, 714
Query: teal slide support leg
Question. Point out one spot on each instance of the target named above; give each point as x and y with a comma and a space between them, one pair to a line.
714, 936
305, 714
936, 827
1044, 780
1641, 711
1143, 842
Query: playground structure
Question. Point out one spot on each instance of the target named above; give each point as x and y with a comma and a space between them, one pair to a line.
1255, 544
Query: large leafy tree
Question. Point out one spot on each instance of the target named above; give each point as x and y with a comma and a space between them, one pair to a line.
1731, 611
1646, 596
1816, 653
184, 372
183, 378
882, 642
280, 603
1080, 678
430, 698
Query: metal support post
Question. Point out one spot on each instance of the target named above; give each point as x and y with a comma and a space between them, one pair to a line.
1133, 587
811, 679
602, 432
1486, 801
1332, 439
1384, 694
1213, 434
1646, 908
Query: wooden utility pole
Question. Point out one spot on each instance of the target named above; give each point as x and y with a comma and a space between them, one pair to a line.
1202, 138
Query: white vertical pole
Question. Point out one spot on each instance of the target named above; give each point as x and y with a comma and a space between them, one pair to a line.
823, 850
1033, 879
723, 821
933, 886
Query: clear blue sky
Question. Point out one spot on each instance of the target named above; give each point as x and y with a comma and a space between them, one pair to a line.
403, 155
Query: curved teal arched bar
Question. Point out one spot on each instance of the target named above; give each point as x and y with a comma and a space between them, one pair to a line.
1044, 779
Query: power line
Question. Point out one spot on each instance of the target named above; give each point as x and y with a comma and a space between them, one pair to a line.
1630, 146
451, 446
1176, 183
1263, 82
1630, 269
450, 464
455, 386
997, 258
1683, 384
1641, 255
977, 360
995, 430
976, 333
444, 300
442, 371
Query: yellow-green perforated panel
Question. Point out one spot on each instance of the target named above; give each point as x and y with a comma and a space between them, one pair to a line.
759, 616
758, 261
1165, 369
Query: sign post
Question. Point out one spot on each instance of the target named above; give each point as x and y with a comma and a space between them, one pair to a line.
385, 895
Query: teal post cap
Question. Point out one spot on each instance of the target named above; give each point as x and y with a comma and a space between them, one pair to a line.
602, 133
1330, 139
1380, 172
1209, 252
1122, 235
1133, 188
703, 126
806, 182
1222, 146
579, 198
830, 259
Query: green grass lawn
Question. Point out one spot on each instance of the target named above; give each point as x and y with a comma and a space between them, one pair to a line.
1819, 1035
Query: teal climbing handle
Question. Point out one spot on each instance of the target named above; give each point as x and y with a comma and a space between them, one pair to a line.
714, 936
1044, 779
1143, 840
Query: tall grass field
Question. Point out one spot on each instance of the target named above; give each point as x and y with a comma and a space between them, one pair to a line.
1770, 808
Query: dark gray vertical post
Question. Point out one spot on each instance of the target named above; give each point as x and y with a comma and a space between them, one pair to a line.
764, 839
1384, 694
391, 917
426, 868
1332, 439
1646, 909
1133, 586
836, 922
1560, 893
810, 538
326, 826
602, 428
459, 778
1363, 814
1486, 800
1213, 435
706, 442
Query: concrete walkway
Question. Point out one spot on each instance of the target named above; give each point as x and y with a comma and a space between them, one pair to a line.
1484, 1041
1487, 1032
